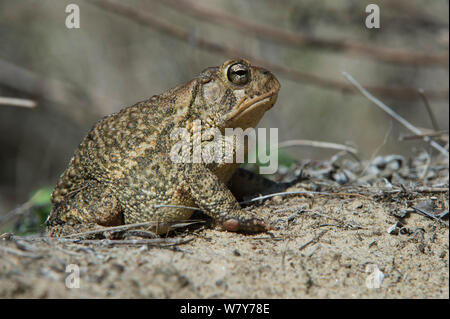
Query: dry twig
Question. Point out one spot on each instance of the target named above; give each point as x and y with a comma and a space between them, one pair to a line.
298, 39
59, 92
314, 240
300, 193
148, 19
19, 253
12, 101
429, 110
23, 209
386, 136
319, 144
160, 242
351, 226
393, 114
136, 225
421, 136
108, 242
427, 214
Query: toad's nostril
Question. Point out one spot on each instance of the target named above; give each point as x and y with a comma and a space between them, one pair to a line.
266, 72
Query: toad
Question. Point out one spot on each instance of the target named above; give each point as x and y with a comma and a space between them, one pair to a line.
122, 172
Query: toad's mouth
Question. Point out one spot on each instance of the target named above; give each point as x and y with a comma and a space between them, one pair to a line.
253, 107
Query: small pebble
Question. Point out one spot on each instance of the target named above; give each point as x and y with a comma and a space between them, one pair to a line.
277, 199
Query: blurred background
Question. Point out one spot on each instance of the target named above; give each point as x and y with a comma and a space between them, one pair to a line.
127, 51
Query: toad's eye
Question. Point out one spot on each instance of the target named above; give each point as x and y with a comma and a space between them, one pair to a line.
238, 74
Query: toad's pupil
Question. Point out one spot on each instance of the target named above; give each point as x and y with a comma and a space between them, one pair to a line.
238, 74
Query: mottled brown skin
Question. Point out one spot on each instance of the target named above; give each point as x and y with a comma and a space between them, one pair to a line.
122, 168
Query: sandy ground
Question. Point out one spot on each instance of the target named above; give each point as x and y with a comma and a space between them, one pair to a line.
323, 247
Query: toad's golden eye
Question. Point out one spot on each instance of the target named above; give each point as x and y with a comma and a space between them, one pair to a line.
238, 74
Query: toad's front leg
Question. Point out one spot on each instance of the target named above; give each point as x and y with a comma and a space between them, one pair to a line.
216, 200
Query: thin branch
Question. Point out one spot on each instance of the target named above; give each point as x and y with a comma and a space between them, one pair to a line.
111, 242
427, 214
429, 110
61, 93
336, 219
314, 240
183, 34
403, 13
297, 39
12, 101
432, 190
19, 253
394, 115
421, 136
300, 193
130, 226
319, 144
425, 171
23, 209
386, 136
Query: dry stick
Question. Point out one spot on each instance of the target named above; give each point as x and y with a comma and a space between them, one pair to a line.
140, 233
18, 211
110, 242
300, 193
17, 252
298, 209
337, 219
426, 169
59, 92
432, 190
160, 242
112, 228
421, 136
388, 132
183, 34
393, 114
427, 214
314, 240
20, 243
272, 195
407, 14
127, 226
12, 101
66, 251
297, 39
153, 241
283, 255
320, 144
429, 110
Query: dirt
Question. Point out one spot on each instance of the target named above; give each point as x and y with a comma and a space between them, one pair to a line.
338, 244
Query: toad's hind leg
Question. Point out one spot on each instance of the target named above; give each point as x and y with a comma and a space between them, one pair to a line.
155, 203
91, 206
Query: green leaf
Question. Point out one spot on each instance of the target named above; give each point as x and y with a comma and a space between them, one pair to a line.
42, 196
